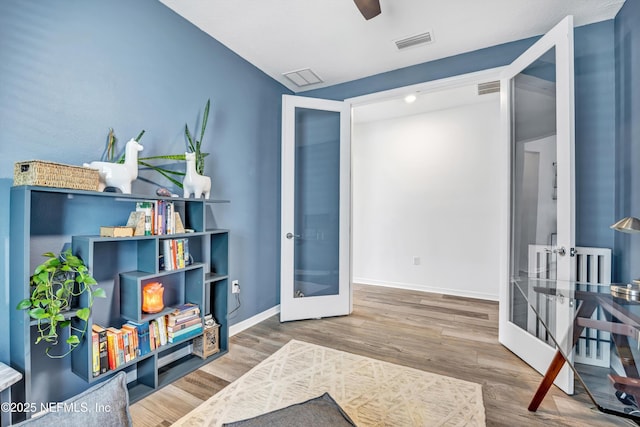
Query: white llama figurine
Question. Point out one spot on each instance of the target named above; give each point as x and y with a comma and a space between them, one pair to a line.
116, 174
193, 182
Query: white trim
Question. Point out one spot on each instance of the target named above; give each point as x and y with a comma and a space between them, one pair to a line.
423, 288
253, 320
433, 85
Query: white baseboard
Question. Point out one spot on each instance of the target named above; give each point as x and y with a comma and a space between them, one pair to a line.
254, 320
423, 288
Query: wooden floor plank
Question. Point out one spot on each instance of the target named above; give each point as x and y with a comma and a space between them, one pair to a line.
443, 334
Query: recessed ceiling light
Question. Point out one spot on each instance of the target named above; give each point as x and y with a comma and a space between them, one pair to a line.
410, 98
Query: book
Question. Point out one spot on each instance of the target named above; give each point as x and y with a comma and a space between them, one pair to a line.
162, 330
160, 214
118, 345
187, 255
152, 335
143, 342
125, 345
174, 250
166, 255
112, 348
180, 253
183, 325
174, 335
186, 336
132, 331
147, 208
95, 354
182, 312
102, 348
169, 218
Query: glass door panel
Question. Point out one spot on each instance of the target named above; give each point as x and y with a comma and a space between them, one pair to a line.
317, 203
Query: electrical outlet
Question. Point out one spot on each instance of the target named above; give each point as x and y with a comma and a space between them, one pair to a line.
416, 260
235, 287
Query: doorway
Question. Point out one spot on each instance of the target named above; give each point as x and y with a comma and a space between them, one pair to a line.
425, 205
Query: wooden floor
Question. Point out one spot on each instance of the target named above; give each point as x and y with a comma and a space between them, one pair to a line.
446, 335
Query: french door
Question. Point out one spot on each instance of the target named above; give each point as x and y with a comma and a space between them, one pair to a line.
315, 271
538, 115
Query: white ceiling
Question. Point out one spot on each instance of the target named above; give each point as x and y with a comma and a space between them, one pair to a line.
333, 39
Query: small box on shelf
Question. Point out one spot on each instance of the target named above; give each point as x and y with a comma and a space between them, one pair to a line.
208, 343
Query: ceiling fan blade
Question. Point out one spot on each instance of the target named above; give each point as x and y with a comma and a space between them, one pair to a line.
368, 8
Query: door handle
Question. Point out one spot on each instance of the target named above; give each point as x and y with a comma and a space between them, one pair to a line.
291, 236
560, 251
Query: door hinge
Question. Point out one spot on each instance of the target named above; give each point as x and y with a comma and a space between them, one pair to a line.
573, 252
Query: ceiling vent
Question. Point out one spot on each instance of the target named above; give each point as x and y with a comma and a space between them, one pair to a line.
414, 40
302, 78
488, 87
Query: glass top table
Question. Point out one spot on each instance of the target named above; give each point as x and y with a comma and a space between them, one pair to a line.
595, 330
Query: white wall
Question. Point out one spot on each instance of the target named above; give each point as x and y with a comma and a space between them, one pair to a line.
426, 186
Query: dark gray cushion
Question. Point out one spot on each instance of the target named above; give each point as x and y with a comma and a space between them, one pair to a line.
321, 411
105, 404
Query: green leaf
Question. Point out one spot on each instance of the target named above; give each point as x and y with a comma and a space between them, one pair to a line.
205, 118
73, 340
84, 313
64, 323
99, 293
59, 318
164, 157
192, 147
139, 135
161, 172
24, 304
38, 313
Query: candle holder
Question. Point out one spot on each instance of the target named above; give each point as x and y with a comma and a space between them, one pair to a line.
152, 294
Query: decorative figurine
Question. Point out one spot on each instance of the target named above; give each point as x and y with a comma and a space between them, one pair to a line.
116, 174
193, 182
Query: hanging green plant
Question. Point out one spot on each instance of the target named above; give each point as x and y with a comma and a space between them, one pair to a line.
54, 285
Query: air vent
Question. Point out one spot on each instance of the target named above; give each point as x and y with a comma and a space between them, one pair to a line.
414, 40
304, 77
489, 87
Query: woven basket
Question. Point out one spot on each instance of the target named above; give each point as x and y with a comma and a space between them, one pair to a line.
49, 174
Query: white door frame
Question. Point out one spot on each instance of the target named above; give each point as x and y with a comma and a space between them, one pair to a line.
292, 308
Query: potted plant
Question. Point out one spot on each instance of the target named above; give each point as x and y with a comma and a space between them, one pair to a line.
193, 145
55, 283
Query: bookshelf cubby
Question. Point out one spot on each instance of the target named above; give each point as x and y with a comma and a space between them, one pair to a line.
47, 219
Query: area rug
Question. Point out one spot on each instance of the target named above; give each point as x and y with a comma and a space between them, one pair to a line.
370, 391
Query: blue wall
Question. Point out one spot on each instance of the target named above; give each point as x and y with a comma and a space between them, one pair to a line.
627, 141
70, 70
594, 110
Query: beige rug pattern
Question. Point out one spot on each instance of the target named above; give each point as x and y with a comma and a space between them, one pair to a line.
372, 392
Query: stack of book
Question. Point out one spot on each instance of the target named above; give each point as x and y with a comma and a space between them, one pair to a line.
184, 322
